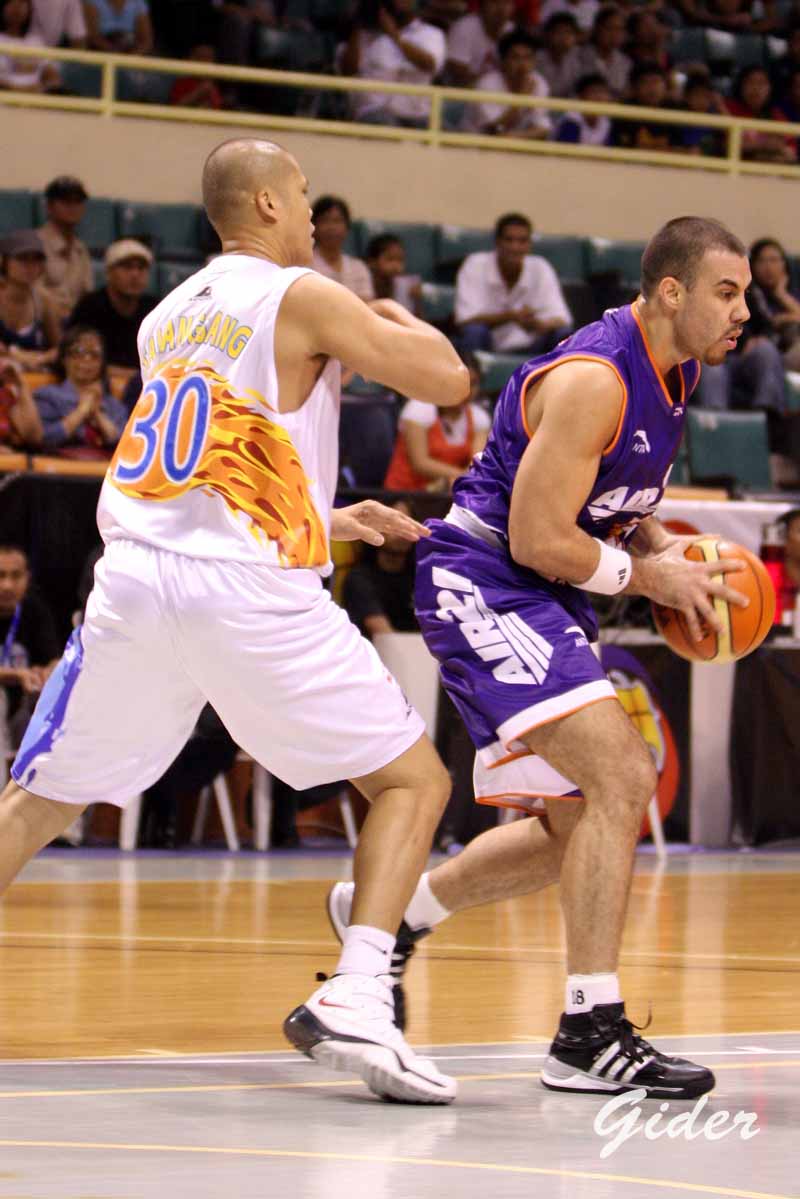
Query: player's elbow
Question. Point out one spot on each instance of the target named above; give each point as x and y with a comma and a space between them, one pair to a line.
534, 547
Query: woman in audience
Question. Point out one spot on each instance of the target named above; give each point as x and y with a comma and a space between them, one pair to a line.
752, 97
80, 417
28, 323
771, 292
603, 55
518, 77
386, 259
119, 26
20, 427
331, 218
23, 74
435, 446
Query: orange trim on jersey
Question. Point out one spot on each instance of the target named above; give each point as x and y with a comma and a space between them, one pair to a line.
549, 366
519, 753
560, 716
658, 374
505, 800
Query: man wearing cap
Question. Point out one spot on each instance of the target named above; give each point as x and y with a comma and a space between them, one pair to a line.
117, 310
68, 272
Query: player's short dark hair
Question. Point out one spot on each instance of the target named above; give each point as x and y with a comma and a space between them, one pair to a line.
382, 241
11, 547
326, 204
515, 37
785, 519
678, 248
507, 220
591, 79
644, 70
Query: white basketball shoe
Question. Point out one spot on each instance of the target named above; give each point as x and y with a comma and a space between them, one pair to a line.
348, 1024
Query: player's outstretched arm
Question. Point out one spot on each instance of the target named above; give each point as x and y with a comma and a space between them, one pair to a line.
320, 317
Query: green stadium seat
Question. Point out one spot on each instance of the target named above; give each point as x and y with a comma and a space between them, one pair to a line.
729, 447
292, 50
144, 87
355, 241
170, 275
496, 369
419, 242
689, 45
438, 302
81, 79
357, 385
615, 257
453, 115
567, 255
793, 390
172, 230
680, 476
98, 273
735, 50
453, 244
99, 225
16, 211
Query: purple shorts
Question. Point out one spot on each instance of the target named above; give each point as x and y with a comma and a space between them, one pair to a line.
514, 651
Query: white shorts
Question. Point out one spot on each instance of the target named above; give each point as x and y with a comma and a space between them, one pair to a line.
295, 683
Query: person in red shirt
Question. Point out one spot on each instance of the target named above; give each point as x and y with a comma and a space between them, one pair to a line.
190, 91
20, 426
752, 97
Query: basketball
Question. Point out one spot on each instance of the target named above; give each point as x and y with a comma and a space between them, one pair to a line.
744, 628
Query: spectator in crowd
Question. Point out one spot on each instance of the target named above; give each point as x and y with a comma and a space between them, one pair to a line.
29, 646
508, 299
378, 592
735, 16
119, 26
20, 427
29, 325
771, 292
193, 91
699, 96
559, 60
648, 39
603, 55
239, 23
60, 22
435, 446
751, 376
584, 11
68, 267
386, 259
790, 104
404, 49
791, 561
472, 42
117, 310
23, 74
80, 418
331, 218
649, 87
443, 13
752, 97
519, 77
783, 69
583, 129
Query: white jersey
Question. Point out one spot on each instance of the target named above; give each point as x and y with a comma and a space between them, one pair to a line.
208, 466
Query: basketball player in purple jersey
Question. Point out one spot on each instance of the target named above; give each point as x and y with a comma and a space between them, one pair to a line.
561, 504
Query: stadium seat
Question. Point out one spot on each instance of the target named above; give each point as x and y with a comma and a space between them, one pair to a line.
689, 45
16, 211
170, 274
496, 369
292, 50
729, 447
172, 230
567, 255
680, 468
620, 258
453, 244
734, 50
98, 273
453, 115
144, 87
792, 379
81, 79
419, 241
438, 300
99, 225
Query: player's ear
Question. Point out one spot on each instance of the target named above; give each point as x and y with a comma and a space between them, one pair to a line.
267, 206
671, 292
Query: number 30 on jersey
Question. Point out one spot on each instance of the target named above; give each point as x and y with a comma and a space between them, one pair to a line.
174, 428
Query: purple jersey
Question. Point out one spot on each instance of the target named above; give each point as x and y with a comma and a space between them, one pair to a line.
634, 468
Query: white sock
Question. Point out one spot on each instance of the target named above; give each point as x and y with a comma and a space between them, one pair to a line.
424, 910
584, 991
365, 950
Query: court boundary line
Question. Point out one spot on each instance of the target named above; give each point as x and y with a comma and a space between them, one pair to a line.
391, 1159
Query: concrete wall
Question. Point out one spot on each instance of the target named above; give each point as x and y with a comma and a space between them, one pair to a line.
161, 160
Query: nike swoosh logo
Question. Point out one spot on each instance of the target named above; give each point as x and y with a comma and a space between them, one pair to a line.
324, 1003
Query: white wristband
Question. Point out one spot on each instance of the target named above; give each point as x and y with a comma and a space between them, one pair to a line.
613, 571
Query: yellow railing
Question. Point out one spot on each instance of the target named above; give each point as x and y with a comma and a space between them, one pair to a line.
107, 105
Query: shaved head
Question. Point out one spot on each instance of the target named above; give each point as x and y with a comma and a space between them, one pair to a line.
238, 170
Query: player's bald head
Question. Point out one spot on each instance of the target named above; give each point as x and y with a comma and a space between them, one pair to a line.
236, 171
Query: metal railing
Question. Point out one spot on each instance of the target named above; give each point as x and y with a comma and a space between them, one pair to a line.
435, 133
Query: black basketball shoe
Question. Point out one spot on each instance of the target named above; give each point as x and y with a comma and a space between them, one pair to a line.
600, 1052
340, 901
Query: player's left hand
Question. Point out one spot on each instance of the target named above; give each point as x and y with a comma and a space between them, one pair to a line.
368, 521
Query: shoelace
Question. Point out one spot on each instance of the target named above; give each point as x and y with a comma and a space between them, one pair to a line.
626, 1032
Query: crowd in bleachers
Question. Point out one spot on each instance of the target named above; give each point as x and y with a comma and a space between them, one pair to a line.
726, 56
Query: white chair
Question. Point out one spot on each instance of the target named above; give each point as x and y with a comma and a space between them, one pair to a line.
130, 818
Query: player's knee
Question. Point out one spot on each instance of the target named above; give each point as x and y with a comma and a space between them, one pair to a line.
640, 781
435, 788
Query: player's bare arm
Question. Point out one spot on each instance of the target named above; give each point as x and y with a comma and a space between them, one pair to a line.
321, 319
574, 412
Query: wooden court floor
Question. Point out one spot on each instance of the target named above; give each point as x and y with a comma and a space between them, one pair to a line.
141, 1000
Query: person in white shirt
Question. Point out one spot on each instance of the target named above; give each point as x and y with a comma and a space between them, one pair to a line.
603, 54
581, 128
406, 50
472, 41
584, 11
518, 77
57, 21
23, 74
507, 299
331, 219
559, 61
386, 259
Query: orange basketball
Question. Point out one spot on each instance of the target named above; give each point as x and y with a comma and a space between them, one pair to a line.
744, 628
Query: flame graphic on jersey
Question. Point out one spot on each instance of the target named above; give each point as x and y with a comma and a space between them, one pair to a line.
249, 461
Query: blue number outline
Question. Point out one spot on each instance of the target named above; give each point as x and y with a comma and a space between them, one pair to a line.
131, 472
174, 472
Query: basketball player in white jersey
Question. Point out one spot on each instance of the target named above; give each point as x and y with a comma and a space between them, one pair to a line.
216, 514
